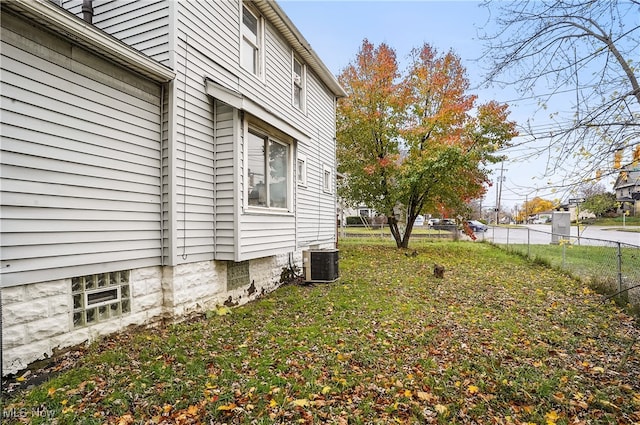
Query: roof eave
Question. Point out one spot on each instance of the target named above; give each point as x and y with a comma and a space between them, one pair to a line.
70, 26
272, 11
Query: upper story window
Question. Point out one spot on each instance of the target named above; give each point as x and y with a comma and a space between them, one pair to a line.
251, 49
326, 179
301, 170
298, 77
268, 172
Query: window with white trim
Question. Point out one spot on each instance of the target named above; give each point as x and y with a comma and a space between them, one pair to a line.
298, 84
251, 48
268, 172
326, 179
99, 297
301, 170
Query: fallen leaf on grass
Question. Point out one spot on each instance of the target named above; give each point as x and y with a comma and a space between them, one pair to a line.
301, 402
422, 395
227, 407
223, 310
441, 409
125, 419
551, 417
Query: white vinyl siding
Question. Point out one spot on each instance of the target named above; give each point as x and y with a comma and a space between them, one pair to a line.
226, 130
144, 25
80, 174
194, 160
204, 147
316, 209
264, 231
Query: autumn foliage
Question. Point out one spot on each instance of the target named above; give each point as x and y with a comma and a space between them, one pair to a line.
415, 141
535, 206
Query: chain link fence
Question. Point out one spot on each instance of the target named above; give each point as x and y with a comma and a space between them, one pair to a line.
611, 267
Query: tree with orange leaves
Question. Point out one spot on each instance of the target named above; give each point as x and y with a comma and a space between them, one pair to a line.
409, 143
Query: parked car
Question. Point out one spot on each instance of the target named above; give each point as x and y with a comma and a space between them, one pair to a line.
419, 221
477, 226
445, 224
432, 221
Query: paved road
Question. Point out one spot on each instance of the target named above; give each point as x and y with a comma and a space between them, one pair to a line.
540, 234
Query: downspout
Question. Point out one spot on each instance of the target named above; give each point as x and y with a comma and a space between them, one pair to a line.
161, 175
87, 11
215, 179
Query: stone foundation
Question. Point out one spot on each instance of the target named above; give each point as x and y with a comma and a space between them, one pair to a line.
37, 318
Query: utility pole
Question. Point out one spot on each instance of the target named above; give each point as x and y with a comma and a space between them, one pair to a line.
499, 192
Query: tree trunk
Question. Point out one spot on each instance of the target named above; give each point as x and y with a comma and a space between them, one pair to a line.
393, 226
402, 241
407, 233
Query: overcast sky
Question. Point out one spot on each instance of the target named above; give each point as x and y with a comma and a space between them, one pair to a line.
335, 29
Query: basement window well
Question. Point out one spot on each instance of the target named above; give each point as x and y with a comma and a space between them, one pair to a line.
100, 297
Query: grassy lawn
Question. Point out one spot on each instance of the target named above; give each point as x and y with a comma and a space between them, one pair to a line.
618, 221
497, 341
586, 261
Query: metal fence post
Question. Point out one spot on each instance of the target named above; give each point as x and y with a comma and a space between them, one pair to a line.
528, 243
619, 267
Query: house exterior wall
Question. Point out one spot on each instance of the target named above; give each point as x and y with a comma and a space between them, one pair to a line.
146, 179
627, 189
191, 142
317, 208
80, 149
227, 125
257, 233
37, 321
143, 25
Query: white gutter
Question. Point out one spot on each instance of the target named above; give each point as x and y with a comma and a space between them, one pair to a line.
281, 21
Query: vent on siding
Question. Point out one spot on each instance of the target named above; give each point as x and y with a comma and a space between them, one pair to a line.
100, 297
87, 11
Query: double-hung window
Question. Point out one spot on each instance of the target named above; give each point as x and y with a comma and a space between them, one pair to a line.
327, 180
251, 41
298, 77
301, 170
268, 172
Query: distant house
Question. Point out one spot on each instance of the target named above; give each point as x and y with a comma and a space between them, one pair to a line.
158, 158
627, 189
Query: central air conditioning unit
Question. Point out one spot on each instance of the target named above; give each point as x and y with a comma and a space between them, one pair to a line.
320, 265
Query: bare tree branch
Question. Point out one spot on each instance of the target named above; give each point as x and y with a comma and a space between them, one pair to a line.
549, 47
